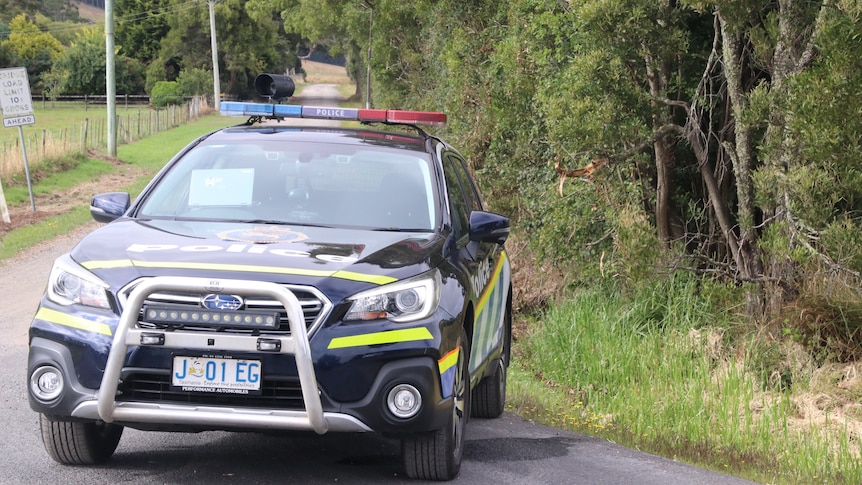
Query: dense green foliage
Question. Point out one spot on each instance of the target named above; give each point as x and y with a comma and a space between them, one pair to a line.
166, 93
725, 133
155, 40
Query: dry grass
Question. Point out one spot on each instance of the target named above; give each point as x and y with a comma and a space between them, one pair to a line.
322, 73
93, 14
45, 148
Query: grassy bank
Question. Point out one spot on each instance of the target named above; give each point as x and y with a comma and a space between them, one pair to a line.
663, 370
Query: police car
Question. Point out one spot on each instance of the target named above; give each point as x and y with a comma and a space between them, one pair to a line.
277, 277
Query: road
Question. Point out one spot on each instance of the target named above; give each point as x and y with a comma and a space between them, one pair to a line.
509, 450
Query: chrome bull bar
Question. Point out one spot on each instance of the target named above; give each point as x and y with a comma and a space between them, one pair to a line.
296, 344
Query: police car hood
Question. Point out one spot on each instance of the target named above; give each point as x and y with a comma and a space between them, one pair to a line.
129, 249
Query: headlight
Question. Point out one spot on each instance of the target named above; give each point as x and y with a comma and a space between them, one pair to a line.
70, 283
404, 301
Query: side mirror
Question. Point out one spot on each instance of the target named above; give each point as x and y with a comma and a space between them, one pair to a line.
107, 207
488, 227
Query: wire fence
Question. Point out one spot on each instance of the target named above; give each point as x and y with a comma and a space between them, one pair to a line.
91, 134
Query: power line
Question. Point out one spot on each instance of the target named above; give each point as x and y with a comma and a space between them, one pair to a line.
131, 17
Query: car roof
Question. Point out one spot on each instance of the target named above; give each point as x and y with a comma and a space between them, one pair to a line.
305, 134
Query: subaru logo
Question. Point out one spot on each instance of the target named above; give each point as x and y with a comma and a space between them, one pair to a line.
221, 302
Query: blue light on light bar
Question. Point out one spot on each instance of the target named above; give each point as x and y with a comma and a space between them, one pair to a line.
231, 108
288, 110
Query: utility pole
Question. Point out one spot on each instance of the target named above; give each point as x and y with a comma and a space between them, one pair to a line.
214, 47
110, 82
370, 6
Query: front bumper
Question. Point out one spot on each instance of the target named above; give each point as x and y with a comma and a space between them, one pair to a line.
320, 413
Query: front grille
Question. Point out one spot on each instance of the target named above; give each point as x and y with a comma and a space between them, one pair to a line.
315, 307
275, 393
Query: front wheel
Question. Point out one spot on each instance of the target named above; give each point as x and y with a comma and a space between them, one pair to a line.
437, 455
79, 443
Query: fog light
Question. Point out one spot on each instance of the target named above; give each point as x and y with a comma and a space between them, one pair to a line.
269, 345
46, 383
152, 338
404, 401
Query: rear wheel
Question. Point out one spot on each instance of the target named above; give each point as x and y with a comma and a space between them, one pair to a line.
437, 455
489, 396
79, 443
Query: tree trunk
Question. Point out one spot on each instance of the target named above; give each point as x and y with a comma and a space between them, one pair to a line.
793, 52
658, 76
741, 153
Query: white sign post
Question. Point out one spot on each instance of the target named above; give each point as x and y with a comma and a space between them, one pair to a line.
17, 107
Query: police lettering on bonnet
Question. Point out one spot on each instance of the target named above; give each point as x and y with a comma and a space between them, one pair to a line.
287, 278
239, 248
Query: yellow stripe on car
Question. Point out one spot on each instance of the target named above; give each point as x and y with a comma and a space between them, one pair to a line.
345, 275
377, 338
495, 278
60, 318
448, 360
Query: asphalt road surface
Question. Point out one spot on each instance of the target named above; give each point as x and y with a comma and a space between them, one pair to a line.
509, 450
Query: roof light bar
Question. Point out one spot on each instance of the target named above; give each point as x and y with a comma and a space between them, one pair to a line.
428, 118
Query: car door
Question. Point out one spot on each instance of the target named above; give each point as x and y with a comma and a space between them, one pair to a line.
485, 263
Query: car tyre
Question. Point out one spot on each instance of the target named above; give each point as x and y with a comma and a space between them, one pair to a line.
437, 455
79, 443
489, 396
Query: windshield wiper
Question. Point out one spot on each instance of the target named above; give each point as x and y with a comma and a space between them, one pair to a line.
283, 223
400, 229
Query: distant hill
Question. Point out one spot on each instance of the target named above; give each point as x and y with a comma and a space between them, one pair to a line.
92, 10
94, 3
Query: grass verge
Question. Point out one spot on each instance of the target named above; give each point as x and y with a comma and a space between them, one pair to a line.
659, 371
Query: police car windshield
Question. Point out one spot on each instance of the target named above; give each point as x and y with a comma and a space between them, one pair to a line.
300, 184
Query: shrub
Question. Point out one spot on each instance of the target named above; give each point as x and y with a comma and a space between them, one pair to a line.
165, 93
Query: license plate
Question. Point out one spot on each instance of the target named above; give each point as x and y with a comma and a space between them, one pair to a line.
212, 374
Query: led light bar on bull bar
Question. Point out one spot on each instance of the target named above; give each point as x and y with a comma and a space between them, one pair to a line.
231, 108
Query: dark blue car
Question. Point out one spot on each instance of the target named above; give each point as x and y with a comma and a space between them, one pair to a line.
277, 277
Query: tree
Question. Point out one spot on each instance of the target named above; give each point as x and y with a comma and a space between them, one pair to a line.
59, 10
195, 82
140, 26
10, 9
246, 47
166, 93
343, 27
83, 66
34, 49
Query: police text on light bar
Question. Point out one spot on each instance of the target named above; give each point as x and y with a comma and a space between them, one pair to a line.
231, 108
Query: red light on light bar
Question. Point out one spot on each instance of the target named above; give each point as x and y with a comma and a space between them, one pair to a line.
417, 117
372, 115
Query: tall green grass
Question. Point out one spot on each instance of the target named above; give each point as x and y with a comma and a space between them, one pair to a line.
656, 370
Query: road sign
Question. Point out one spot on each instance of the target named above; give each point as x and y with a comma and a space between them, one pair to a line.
15, 97
19, 121
17, 108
